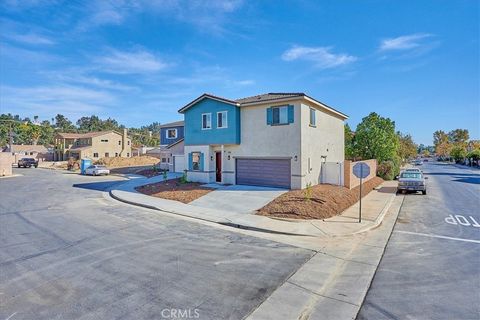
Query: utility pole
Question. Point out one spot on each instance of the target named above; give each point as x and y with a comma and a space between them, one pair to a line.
10, 133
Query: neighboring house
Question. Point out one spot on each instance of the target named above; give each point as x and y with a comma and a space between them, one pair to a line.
39, 152
274, 139
93, 145
171, 152
139, 150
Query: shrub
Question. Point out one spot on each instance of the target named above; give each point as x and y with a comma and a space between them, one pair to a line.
386, 170
458, 153
183, 178
165, 176
308, 192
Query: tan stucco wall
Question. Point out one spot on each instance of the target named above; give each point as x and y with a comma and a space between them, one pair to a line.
351, 181
325, 139
113, 146
6, 160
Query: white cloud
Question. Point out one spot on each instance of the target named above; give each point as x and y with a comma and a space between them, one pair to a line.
130, 62
29, 38
73, 76
209, 15
407, 42
50, 100
322, 57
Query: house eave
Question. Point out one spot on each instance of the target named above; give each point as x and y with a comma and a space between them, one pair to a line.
208, 96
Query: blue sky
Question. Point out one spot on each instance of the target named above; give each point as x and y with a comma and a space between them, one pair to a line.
140, 61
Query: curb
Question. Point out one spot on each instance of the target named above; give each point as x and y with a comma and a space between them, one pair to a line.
226, 223
232, 224
380, 217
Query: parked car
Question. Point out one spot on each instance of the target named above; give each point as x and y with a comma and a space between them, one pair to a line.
27, 163
97, 170
418, 162
412, 181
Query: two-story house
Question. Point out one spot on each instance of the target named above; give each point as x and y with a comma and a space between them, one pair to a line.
274, 139
170, 151
93, 145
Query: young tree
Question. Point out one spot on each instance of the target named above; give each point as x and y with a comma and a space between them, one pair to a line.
439, 137
34, 131
458, 153
375, 138
406, 147
63, 124
349, 136
458, 136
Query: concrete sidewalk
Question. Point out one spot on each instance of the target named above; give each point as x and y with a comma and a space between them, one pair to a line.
374, 205
334, 282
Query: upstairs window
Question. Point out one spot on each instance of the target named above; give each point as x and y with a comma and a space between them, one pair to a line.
280, 115
104, 140
206, 121
222, 119
171, 133
313, 121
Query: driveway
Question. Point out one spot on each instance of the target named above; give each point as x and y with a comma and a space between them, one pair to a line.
237, 198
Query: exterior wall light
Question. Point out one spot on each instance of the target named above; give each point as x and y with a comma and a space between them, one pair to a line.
295, 158
228, 157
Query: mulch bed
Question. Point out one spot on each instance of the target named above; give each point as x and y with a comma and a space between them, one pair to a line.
149, 173
326, 201
174, 190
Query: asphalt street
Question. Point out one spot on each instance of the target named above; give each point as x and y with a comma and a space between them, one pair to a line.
431, 266
68, 252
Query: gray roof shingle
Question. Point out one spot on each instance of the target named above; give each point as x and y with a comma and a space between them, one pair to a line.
270, 96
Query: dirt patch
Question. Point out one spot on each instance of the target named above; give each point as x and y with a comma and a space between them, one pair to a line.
326, 201
150, 172
174, 190
119, 162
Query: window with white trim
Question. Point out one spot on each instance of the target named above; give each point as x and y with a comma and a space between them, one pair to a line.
280, 115
206, 121
222, 119
171, 133
313, 122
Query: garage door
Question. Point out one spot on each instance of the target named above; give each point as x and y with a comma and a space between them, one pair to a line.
264, 172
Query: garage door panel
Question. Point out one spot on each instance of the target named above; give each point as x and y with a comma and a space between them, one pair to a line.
264, 172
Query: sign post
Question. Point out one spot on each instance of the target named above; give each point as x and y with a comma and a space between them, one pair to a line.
361, 170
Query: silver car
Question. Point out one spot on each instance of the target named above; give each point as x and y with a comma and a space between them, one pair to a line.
97, 170
412, 181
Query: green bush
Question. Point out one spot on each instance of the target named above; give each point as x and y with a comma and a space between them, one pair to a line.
183, 178
387, 170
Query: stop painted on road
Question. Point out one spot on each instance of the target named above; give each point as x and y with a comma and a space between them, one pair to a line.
458, 219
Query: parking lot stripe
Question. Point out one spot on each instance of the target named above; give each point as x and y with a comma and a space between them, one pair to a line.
437, 236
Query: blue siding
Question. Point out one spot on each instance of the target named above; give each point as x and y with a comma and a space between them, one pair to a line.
163, 135
194, 135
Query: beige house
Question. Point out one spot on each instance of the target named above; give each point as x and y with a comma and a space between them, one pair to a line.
93, 145
38, 152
